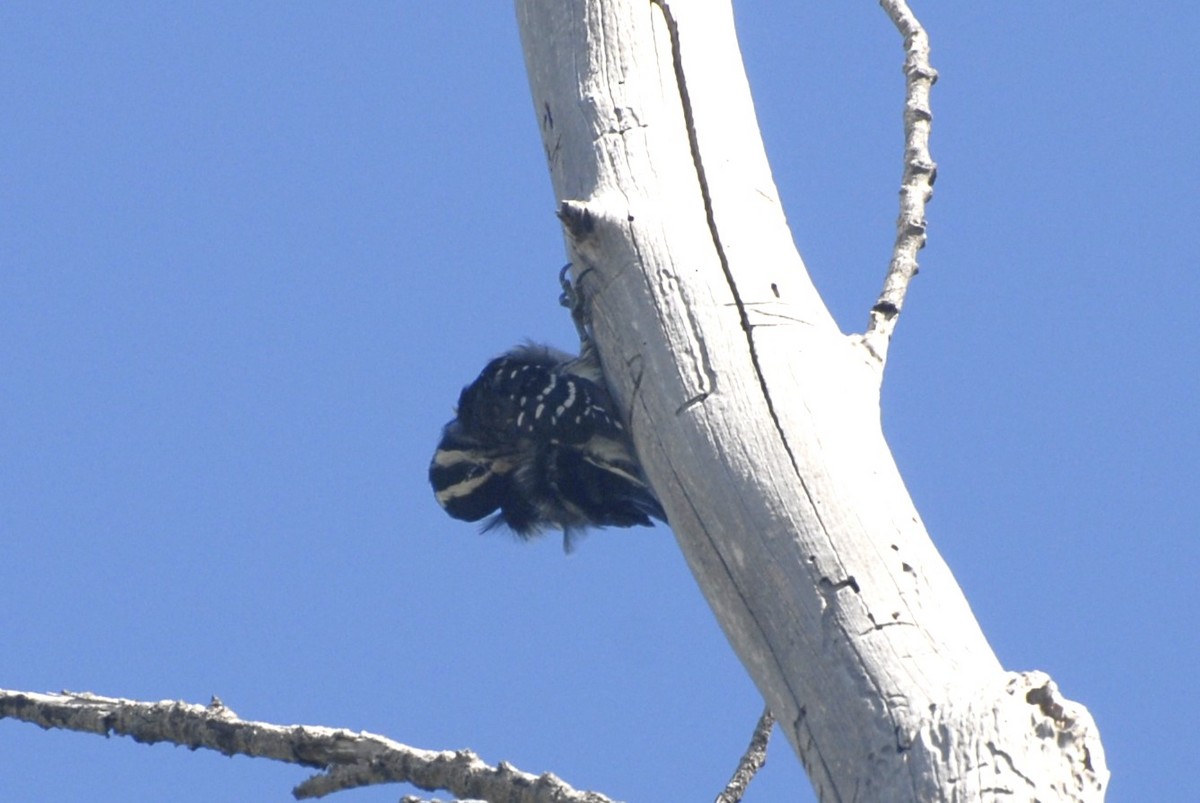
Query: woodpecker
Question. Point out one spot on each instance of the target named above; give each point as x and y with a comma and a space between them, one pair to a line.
537, 438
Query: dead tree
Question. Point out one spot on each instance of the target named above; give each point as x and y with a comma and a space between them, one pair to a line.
757, 420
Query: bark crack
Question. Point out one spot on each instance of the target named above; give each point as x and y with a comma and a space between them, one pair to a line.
702, 180
997, 752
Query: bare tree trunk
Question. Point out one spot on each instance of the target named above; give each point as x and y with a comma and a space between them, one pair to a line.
758, 423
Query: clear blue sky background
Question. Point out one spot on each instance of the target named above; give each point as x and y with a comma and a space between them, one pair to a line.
250, 254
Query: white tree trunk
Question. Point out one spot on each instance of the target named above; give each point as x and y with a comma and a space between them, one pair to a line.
758, 423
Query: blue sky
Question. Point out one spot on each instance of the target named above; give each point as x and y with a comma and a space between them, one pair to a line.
250, 254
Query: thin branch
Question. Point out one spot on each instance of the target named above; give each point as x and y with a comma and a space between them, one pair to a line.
753, 760
916, 186
348, 760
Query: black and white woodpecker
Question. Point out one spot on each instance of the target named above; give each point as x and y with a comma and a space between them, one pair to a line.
538, 439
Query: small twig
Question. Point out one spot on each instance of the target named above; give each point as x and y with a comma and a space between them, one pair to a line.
916, 186
752, 761
347, 759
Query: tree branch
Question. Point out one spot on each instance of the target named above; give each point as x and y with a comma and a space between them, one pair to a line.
752, 760
916, 186
349, 760
757, 420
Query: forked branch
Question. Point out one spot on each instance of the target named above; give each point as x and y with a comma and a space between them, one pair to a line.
347, 760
